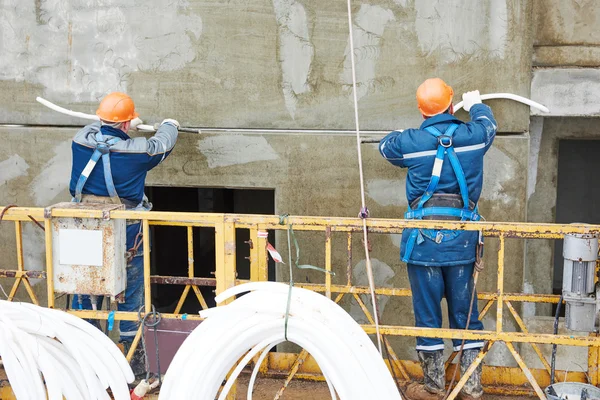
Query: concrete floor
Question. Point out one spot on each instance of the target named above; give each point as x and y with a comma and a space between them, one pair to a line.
265, 389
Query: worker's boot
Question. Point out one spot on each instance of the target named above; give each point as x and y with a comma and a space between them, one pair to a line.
472, 389
434, 375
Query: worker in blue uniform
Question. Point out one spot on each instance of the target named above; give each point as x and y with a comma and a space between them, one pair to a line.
444, 158
109, 166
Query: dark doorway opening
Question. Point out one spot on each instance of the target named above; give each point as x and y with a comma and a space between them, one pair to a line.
170, 247
577, 191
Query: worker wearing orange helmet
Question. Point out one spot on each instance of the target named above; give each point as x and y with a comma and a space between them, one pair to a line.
120, 179
444, 158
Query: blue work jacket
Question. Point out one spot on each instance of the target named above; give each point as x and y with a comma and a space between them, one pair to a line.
130, 160
415, 149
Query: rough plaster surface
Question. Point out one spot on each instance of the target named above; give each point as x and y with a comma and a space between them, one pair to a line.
382, 274
259, 64
568, 358
12, 168
51, 181
559, 22
566, 33
296, 51
567, 91
495, 178
566, 56
367, 29
81, 51
435, 19
535, 141
387, 192
221, 151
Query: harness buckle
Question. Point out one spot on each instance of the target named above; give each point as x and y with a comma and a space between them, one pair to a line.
445, 140
103, 148
439, 237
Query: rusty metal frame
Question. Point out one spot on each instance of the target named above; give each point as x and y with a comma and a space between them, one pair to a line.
503, 380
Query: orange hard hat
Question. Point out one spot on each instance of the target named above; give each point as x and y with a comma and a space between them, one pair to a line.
434, 97
116, 107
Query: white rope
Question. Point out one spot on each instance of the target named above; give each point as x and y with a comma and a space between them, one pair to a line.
362, 182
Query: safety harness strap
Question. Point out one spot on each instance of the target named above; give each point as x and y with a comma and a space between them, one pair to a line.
445, 147
460, 177
461, 213
102, 150
439, 161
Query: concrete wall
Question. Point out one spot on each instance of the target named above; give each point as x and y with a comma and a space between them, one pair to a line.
267, 64
565, 78
566, 33
279, 63
566, 57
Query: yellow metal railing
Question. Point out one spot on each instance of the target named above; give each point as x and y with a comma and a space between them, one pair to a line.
502, 380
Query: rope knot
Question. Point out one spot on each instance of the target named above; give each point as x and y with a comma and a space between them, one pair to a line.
364, 213
283, 218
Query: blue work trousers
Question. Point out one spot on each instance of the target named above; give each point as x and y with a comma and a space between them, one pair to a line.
429, 285
134, 298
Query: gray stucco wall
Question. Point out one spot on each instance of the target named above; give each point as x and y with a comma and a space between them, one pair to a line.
565, 78
566, 33
260, 63
266, 64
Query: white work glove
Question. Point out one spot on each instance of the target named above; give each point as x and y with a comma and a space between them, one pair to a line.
172, 121
471, 98
135, 122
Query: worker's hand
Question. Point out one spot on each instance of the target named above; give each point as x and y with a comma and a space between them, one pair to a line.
135, 122
471, 98
172, 121
479, 265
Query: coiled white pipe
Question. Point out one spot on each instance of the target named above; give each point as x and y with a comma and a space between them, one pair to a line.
254, 323
75, 359
509, 96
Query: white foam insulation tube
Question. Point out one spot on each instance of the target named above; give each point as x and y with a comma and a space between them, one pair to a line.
231, 335
508, 96
50, 352
78, 114
490, 96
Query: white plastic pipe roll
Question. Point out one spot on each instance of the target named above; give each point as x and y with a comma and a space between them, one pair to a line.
232, 335
76, 360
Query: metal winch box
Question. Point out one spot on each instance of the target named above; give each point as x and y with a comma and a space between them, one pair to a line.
88, 254
580, 253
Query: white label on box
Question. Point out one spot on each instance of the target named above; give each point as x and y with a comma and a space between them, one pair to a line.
80, 247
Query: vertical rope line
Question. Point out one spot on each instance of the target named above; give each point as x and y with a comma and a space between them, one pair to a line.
364, 213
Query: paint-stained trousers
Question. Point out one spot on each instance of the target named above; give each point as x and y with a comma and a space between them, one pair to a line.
429, 285
134, 298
